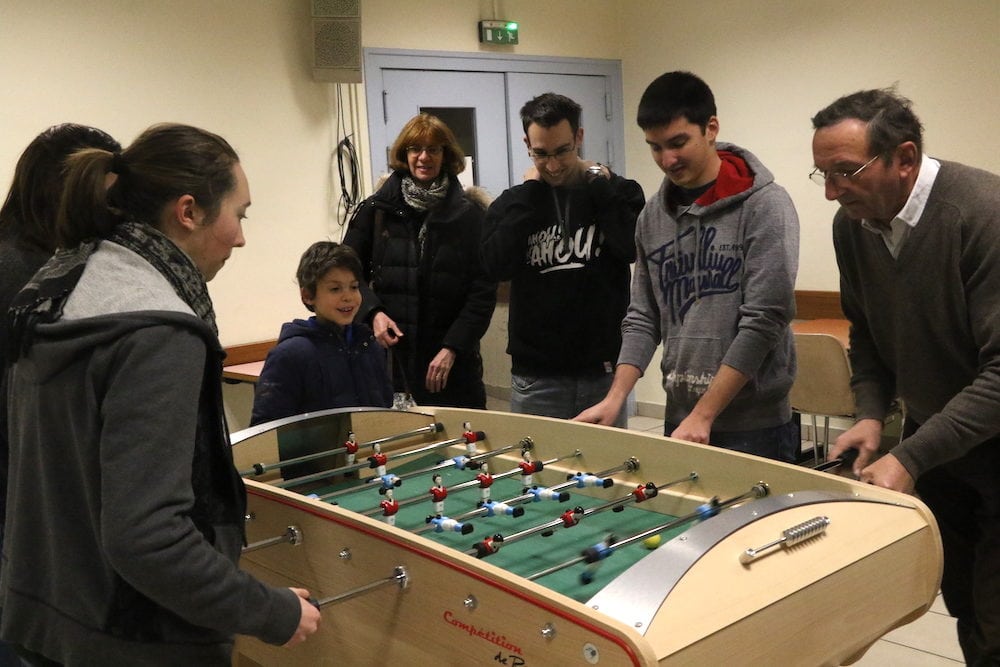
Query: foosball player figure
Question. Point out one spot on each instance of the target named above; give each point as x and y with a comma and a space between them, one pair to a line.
471, 438
485, 480
389, 507
528, 469
378, 460
462, 461
351, 449
569, 519
489, 546
495, 508
641, 493
585, 479
593, 555
540, 493
444, 523
438, 494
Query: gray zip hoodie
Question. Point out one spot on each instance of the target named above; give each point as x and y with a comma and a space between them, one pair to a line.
714, 281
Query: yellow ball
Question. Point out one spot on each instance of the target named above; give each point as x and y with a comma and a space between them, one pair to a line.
651, 542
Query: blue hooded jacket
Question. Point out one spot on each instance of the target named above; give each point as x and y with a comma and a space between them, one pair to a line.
317, 366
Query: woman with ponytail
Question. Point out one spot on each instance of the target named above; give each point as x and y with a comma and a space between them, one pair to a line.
126, 514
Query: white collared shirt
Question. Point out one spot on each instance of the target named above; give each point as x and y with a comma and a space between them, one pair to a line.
909, 215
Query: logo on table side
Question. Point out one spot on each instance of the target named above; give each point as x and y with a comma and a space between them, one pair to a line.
481, 633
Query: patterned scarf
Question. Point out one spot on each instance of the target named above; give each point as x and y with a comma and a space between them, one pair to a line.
424, 199
42, 300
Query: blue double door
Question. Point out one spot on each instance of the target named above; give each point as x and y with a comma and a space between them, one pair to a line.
483, 110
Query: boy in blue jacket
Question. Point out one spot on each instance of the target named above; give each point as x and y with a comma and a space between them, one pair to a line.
329, 360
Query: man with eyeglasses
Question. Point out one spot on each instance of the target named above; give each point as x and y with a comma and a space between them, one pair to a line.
718, 254
918, 246
564, 239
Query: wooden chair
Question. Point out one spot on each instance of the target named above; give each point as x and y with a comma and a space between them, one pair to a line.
822, 387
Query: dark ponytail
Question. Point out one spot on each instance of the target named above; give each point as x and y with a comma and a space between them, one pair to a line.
165, 162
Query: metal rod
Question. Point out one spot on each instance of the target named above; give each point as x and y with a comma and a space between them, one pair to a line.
323, 474
631, 464
461, 486
292, 535
577, 516
261, 468
705, 511
400, 576
452, 463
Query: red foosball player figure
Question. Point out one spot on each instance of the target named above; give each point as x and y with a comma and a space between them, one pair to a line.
351, 447
489, 545
571, 517
485, 480
438, 494
528, 469
389, 507
644, 492
351, 450
378, 460
471, 438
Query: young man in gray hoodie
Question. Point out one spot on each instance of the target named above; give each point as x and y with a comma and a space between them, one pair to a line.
714, 281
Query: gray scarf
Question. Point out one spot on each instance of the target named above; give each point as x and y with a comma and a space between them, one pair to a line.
425, 198
42, 299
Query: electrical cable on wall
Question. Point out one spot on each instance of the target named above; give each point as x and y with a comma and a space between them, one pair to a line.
348, 168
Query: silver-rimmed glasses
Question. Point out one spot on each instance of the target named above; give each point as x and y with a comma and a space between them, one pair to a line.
820, 177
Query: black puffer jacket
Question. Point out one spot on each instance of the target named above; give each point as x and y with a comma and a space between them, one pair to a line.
438, 295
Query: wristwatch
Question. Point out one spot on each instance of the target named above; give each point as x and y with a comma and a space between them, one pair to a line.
596, 169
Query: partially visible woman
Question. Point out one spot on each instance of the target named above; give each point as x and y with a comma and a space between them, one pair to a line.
425, 293
127, 515
27, 240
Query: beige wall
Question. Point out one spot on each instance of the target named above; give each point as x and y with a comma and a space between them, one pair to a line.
241, 68
773, 64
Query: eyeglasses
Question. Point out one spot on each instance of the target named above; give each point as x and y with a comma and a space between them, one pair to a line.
558, 154
433, 151
821, 177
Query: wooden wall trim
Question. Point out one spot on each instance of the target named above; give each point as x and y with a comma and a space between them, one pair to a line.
809, 305
244, 354
813, 305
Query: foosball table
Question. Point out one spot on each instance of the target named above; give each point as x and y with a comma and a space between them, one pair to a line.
444, 536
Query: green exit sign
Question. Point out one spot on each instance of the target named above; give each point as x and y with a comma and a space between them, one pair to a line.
498, 32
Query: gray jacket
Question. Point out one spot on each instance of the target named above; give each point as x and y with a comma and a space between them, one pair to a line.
715, 283
126, 514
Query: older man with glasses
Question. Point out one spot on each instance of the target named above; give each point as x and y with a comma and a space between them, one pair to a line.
918, 246
565, 239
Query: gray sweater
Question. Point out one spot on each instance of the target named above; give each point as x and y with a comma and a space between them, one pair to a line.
715, 283
926, 326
